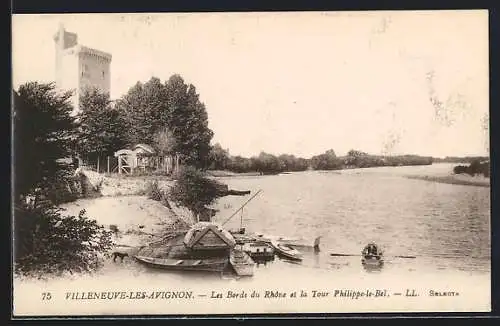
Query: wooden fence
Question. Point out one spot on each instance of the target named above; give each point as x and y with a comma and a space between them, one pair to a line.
111, 164
107, 164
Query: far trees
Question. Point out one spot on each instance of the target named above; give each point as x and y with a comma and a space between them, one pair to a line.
219, 157
326, 161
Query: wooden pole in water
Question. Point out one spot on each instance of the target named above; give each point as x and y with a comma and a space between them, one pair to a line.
239, 209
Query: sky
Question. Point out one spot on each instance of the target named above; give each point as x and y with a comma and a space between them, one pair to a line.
405, 82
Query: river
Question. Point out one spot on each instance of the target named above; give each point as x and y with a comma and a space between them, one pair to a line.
445, 226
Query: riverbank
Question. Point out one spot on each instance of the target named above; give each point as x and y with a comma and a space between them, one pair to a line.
226, 174
134, 220
456, 179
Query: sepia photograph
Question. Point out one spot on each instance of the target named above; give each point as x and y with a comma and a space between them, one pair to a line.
180, 164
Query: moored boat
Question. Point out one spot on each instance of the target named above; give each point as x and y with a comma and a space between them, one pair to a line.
241, 262
286, 251
258, 249
208, 265
204, 247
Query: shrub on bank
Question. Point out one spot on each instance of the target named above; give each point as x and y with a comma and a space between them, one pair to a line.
476, 167
46, 242
195, 191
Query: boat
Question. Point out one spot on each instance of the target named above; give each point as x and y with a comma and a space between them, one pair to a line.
372, 256
258, 249
286, 250
204, 247
242, 263
298, 244
208, 265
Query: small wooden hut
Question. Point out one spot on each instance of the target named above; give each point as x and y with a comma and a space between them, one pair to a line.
143, 157
208, 236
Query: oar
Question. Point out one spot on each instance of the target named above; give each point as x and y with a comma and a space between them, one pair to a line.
357, 255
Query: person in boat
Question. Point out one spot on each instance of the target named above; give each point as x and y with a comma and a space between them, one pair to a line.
371, 249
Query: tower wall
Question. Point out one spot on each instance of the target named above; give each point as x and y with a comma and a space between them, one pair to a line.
94, 72
69, 76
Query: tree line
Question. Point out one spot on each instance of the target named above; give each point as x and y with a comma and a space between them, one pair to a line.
265, 163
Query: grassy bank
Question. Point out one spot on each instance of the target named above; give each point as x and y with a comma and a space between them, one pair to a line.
457, 179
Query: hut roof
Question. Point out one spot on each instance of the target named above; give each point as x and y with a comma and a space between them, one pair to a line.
200, 229
145, 147
123, 152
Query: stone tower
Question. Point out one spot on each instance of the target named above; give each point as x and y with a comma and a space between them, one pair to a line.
79, 67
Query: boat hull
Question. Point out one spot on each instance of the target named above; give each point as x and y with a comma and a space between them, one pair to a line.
286, 251
242, 263
372, 261
205, 265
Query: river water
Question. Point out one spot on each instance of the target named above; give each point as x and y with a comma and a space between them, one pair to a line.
445, 227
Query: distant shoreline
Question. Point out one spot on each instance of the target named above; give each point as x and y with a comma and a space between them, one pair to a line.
457, 179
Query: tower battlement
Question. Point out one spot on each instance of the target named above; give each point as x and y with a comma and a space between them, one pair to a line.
79, 67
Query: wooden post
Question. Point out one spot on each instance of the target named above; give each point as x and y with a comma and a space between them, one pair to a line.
108, 164
119, 165
98, 164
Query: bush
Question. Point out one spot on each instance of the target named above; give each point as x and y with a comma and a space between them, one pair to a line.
475, 167
195, 191
47, 242
459, 169
114, 228
153, 191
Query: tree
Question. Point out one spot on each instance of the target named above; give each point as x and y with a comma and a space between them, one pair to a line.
195, 191
187, 119
219, 157
269, 163
164, 142
356, 158
144, 108
44, 136
326, 161
101, 127
152, 107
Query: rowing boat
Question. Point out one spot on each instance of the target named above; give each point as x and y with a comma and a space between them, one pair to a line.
208, 265
242, 263
372, 256
286, 250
